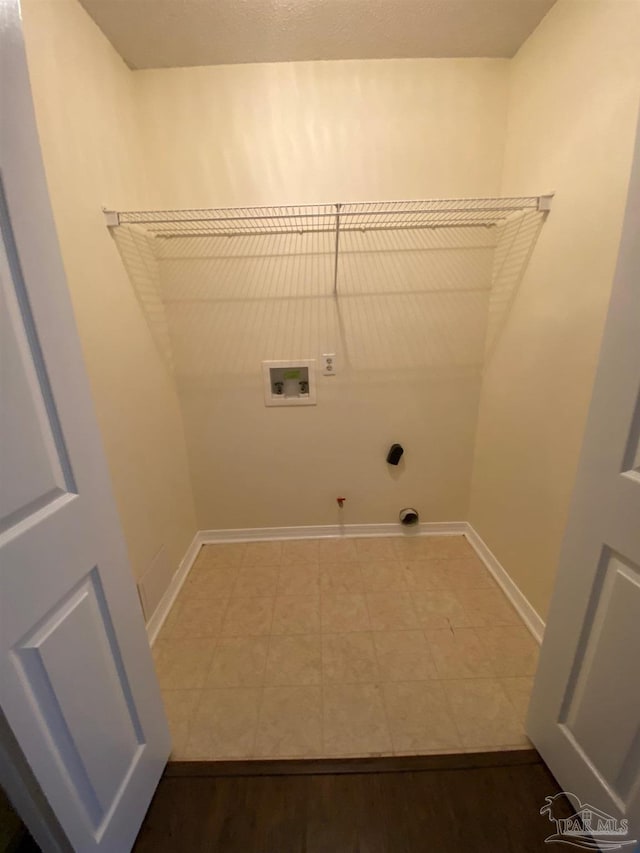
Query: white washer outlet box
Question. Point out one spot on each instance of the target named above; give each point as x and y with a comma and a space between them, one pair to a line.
289, 383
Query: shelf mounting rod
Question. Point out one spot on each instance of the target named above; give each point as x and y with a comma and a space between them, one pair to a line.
335, 266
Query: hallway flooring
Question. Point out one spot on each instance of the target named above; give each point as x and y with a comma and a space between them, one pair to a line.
440, 804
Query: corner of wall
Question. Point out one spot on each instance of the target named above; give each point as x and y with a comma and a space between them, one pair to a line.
574, 95
93, 156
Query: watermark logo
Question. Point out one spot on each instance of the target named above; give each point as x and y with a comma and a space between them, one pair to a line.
587, 827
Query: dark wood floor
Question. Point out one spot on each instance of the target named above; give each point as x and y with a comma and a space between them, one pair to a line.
446, 804
14, 836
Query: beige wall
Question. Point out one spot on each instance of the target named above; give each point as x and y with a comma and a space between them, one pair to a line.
573, 108
298, 132
408, 329
409, 324
87, 121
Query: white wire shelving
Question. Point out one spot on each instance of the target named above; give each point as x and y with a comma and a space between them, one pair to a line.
334, 218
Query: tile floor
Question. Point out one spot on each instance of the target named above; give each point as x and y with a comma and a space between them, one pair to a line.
343, 647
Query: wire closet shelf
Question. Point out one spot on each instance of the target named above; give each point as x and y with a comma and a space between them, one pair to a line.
329, 218
334, 219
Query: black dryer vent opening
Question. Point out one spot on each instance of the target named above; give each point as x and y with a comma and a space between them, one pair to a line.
395, 454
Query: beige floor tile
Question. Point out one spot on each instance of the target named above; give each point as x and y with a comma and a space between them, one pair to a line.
238, 662
195, 617
487, 608
425, 575
256, 580
375, 548
519, 692
294, 660
468, 573
410, 547
354, 720
182, 664
222, 556
262, 554
419, 717
343, 613
301, 579
391, 611
300, 551
290, 722
448, 547
224, 724
483, 713
248, 616
209, 583
338, 551
416, 547
383, 576
458, 653
296, 614
179, 706
525, 743
439, 608
403, 656
341, 578
170, 623
349, 658
512, 650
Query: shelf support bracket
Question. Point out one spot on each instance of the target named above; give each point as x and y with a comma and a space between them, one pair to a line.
335, 265
111, 218
544, 202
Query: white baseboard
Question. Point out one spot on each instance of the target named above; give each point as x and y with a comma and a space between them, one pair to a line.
264, 534
528, 614
171, 593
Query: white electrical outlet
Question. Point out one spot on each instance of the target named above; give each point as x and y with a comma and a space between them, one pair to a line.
328, 363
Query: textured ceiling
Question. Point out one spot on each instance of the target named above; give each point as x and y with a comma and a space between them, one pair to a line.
175, 33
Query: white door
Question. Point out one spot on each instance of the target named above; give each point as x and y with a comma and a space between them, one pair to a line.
77, 684
584, 716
